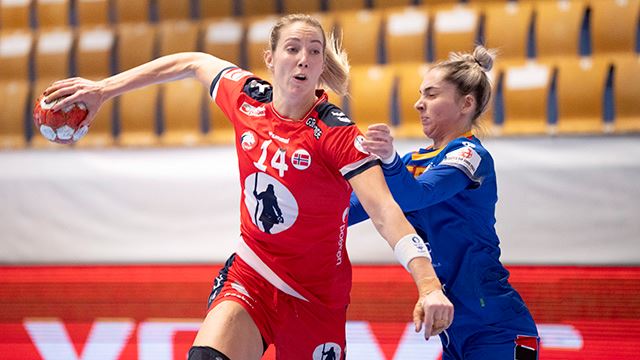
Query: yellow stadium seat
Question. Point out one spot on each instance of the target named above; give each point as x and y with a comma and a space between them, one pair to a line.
507, 29
137, 109
557, 29
15, 50
14, 104
304, 7
613, 27
340, 5
378, 4
216, 8
626, 87
410, 76
406, 34
173, 9
580, 89
52, 13
223, 38
131, 10
93, 61
258, 29
14, 15
181, 101
526, 89
361, 35
258, 7
454, 30
93, 12
371, 95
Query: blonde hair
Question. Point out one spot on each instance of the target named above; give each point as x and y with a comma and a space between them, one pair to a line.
468, 73
336, 65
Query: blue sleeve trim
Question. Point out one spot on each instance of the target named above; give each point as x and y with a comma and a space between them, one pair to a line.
217, 78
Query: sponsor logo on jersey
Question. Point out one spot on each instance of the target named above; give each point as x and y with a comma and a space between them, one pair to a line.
313, 123
251, 110
465, 158
358, 144
236, 74
279, 138
248, 140
341, 237
327, 351
341, 116
301, 159
272, 207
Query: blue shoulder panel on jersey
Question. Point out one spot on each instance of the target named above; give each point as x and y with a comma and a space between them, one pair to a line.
258, 89
332, 115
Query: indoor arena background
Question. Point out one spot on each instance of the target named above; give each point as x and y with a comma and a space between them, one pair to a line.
108, 248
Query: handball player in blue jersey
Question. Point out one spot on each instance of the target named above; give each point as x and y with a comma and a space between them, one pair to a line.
448, 193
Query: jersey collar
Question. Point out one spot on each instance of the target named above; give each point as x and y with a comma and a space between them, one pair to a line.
429, 152
321, 97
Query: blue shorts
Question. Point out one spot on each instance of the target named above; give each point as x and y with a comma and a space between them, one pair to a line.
516, 339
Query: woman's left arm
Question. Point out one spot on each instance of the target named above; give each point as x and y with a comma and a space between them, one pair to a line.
433, 309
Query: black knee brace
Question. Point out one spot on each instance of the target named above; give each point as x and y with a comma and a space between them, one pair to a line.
206, 353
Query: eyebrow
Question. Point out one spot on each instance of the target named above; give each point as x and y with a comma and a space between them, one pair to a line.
299, 40
426, 90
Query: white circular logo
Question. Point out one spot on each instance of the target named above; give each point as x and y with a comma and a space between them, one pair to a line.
358, 144
248, 140
327, 351
270, 204
300, 159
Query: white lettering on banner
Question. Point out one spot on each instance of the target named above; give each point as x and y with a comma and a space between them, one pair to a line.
156, 340
105, 341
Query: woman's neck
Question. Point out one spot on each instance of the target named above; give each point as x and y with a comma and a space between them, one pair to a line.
293, 108
444, 140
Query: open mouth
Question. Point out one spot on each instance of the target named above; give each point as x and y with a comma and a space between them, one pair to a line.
300, 77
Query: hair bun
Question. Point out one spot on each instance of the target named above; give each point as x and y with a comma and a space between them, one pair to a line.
483, 57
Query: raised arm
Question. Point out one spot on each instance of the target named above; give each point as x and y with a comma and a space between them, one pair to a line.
433, 309
203, 67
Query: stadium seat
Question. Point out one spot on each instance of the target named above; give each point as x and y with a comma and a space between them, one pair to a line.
181, 101
507, 28
626, 87
580, 89
137, 109
361, 35
409, 78
525, 90
297, 6
216, 8
92, 12
131, 10
371, 90
379, 4
405, 34
15, 50
223, 38
173, 9
613, 27
93, 61
258, 29
557, 29
258, 7
454, 30
15, 15
53, 13
340, 5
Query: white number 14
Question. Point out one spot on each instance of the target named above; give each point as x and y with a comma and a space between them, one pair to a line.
278, 161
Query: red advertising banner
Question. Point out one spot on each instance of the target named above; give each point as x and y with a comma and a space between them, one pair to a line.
153, 312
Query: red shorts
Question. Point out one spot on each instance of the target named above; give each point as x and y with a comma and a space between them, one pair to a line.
297, 328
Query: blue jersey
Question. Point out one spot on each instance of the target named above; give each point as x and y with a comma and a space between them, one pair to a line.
449, 196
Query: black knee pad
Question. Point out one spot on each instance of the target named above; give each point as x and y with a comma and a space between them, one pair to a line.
206, 353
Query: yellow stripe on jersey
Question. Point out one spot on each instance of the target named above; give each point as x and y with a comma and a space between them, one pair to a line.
432, 154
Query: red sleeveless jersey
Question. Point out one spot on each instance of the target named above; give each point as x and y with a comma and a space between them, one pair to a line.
295, 194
